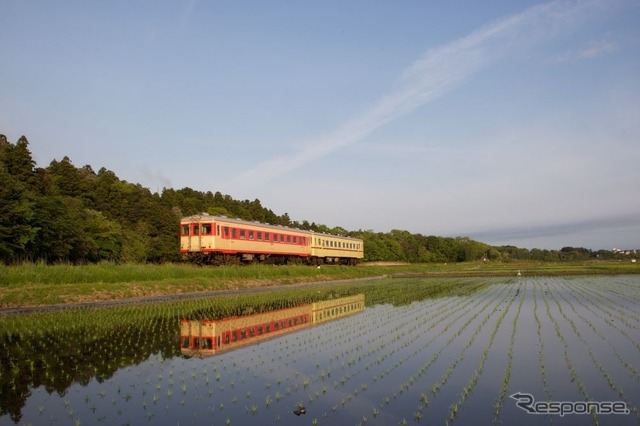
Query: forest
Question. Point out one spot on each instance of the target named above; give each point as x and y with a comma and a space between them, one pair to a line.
64, 213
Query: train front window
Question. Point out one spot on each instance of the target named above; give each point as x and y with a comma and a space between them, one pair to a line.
195, 230
206, 228
184, 229
185, 342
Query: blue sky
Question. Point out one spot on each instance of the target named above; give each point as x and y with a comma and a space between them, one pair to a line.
516, 122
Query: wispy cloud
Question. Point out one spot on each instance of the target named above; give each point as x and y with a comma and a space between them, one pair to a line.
594, 50
437, 72
187, 12
621, 221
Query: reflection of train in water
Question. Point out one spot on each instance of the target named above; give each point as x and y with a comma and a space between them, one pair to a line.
209, 337
220, 240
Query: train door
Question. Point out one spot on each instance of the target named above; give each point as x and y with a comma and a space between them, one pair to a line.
223, 236
195, 242
185, 237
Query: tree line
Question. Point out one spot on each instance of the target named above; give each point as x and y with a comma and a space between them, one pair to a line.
64, 213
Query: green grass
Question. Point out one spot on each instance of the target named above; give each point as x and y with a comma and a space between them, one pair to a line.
41, 284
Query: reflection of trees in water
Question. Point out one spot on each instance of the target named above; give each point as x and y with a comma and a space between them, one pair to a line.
57, 350
59, 359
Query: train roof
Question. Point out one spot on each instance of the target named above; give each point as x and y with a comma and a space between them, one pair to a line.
203, 217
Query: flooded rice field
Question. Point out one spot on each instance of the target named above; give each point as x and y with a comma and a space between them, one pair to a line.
561, 350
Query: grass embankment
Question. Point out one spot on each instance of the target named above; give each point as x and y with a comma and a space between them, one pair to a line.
39, 284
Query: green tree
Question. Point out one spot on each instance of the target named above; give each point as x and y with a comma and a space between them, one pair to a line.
17, 200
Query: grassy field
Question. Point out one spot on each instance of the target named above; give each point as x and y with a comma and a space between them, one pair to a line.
39, 284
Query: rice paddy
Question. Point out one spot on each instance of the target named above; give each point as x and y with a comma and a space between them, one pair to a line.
424, 351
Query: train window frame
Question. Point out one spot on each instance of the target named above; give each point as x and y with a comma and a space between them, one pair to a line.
259, 236
251, 235
266, 236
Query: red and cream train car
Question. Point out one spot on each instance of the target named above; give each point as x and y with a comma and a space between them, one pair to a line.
220, 240
209, 337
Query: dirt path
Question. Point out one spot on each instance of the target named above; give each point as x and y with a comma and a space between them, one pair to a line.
169, 297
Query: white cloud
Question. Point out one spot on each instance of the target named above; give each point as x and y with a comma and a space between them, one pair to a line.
594, 50
440, 70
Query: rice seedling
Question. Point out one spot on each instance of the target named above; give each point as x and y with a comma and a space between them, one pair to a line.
402, 342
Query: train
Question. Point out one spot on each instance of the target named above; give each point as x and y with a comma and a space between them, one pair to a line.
219, 240
202, 338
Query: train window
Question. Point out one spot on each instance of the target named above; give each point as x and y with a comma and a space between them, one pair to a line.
206, 228
252, 332
259, 237
207, 343
295, 239
195, 230
226, 338
185, 342
226, 232
243, 334
242, 234
185, 229
281, 238
259, 329
233, 233
234, 336
288, 238
267, 328
251, 235
276, 326
266, 236
218, 229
